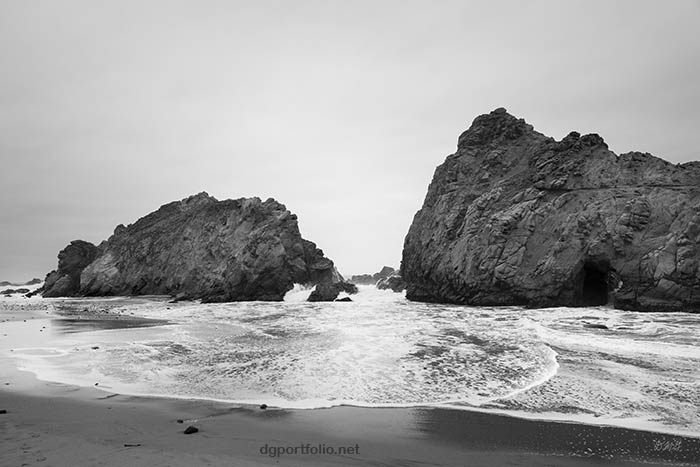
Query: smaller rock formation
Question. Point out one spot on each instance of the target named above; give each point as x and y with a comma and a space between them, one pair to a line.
394, 282
31, 282
373, 279
71, 262
328, 291
13, 291
363, 279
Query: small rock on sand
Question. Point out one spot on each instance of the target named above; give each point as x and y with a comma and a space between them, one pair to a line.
191, 429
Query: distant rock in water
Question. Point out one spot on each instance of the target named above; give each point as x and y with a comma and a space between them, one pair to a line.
197, 248
372, 279
327, 291
387, 278
394, 282
363, 279
31, 282
14, 291
517, 218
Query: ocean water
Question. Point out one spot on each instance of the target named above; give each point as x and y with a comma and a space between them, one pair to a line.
380, 350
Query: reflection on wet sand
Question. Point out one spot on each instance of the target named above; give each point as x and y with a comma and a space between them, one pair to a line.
484, 431
73, 325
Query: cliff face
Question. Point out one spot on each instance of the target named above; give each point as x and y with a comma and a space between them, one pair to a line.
517, 218
200, 248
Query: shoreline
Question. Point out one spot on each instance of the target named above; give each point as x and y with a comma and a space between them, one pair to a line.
57, 422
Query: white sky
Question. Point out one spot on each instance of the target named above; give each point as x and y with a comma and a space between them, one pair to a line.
339, 109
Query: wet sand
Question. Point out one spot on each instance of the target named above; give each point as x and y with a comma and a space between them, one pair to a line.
67, 426
61, 425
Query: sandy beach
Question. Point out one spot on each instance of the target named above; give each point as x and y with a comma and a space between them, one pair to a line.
61, 425
68, 426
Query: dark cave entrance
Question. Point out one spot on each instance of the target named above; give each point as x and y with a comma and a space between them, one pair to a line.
594, 290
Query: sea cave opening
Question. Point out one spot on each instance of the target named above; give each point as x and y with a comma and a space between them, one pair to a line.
595, 285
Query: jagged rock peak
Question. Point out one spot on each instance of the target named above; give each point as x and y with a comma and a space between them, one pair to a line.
492, 128
499, 126
574, 140
198, 199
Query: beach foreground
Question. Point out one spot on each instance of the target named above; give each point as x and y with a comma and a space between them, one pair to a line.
59, 425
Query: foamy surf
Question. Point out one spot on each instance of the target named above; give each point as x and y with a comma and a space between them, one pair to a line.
299, 293
384, 351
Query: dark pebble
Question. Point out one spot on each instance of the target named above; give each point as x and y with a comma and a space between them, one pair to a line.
263, 406
180, 421
3, 411
191, 429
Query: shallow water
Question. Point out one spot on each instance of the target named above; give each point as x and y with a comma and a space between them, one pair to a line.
379, 350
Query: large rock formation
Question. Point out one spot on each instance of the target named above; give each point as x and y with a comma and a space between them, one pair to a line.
197, 248
517, 218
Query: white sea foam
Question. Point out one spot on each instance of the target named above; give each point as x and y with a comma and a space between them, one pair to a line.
17, 298
384, 351
299, 293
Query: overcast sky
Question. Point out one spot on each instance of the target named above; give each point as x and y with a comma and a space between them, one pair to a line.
339, 109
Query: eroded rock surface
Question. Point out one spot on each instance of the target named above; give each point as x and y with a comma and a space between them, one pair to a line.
65, 280
517, 218
197, 248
